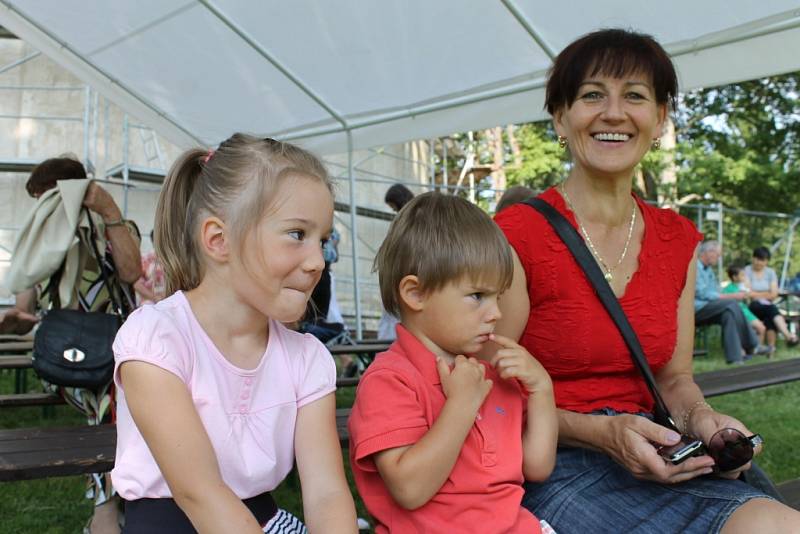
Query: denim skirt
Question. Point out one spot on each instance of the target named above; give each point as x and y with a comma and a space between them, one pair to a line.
590, 492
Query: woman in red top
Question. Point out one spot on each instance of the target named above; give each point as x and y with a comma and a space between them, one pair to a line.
608, 93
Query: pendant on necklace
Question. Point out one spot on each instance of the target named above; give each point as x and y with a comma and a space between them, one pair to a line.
608, 276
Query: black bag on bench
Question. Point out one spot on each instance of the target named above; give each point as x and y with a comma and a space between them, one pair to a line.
72, 348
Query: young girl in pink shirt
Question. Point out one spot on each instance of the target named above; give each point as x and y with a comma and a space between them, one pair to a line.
216, 398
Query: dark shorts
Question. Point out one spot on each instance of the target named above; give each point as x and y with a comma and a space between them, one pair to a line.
765, 312
589, 492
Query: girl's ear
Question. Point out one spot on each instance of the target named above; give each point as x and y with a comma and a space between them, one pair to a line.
411, 294
213, 239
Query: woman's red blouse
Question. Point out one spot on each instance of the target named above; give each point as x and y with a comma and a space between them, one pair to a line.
571, 333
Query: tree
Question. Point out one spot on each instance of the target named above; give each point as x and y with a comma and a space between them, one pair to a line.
740, 143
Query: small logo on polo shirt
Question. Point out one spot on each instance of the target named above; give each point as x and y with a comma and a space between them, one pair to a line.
499, 410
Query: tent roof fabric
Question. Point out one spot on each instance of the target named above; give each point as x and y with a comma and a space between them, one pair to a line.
379, 72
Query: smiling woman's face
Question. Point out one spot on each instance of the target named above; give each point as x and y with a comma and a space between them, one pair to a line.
611, 124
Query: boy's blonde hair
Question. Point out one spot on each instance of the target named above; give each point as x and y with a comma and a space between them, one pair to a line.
236, 182
440, 239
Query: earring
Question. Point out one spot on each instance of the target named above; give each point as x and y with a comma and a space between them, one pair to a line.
656, 143
562, 142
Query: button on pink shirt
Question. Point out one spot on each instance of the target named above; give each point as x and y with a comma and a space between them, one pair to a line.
249, 415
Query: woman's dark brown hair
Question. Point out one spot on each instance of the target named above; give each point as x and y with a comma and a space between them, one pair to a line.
615, 53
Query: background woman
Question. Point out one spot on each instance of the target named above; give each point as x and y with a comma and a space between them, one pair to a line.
763, 284
608, 93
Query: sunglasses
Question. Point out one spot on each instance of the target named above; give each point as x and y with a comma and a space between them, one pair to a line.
731, 449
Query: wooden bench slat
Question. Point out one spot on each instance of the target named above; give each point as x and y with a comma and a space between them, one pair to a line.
748, 377
46, 452
17, 361
30, 399
790, 491
15, 347
364, 348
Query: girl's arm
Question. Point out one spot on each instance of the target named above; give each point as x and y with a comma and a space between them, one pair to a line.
162, 408
327, 502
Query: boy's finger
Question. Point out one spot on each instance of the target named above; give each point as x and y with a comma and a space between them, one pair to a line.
503, 341
443, 368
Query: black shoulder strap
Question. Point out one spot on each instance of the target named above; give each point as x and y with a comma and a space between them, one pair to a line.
114, 296
586, 261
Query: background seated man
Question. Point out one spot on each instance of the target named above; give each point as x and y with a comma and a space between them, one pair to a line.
713, 307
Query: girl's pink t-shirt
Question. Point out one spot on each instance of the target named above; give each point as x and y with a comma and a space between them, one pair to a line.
249, 415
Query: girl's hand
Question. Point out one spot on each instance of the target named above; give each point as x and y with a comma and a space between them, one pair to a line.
632, 442
466, 382
513, 361
706, 422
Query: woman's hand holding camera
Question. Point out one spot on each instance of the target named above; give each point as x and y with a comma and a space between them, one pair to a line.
632, 441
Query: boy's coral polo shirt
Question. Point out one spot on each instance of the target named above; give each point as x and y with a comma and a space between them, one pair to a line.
398, 399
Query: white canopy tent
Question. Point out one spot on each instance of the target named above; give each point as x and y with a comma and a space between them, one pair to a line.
345, 74
386, 70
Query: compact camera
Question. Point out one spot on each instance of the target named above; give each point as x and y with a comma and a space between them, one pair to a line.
686, 448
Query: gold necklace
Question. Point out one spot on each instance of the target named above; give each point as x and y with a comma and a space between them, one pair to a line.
608, 275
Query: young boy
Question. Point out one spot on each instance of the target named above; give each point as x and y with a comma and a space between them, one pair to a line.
440, 441
739, 283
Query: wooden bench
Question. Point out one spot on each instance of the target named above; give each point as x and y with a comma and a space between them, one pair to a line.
745, 377
364, 352
790, 491
29, 453
16, 346
19, 400
16, 361
45, 452
20, 362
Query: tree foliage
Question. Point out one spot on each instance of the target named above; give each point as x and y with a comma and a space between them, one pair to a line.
740, 143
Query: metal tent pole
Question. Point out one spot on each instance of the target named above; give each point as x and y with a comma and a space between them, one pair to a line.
125, 163
354, 234
787, 255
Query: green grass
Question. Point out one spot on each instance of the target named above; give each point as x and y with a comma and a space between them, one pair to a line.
57, 505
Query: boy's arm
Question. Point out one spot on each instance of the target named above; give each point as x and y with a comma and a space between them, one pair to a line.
414, 474
539, 441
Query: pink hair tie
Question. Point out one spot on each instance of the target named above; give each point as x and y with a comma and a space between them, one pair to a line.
208, 156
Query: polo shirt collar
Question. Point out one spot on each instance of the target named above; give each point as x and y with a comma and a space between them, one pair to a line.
418, 354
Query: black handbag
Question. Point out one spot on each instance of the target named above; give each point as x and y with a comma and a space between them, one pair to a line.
72, 348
